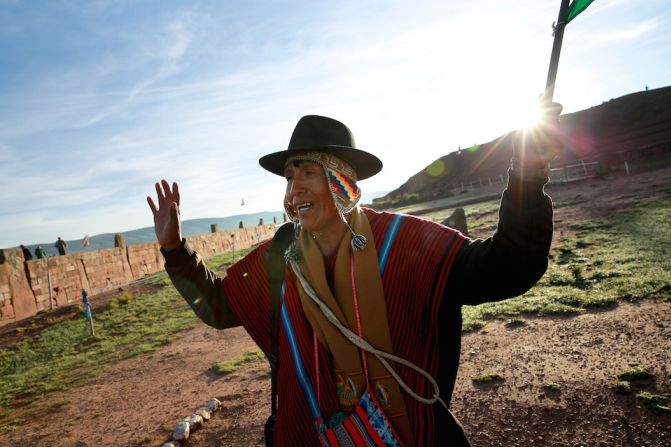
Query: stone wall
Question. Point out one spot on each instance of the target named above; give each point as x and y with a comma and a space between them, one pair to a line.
24, 285
16, 298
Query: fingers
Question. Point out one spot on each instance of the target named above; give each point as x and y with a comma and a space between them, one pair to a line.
175, 192
170, 194
166, 195
166, 190
152, 206
541, 143
551, 110
159, 193
557, 108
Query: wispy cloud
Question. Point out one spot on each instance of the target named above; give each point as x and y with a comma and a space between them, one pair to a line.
602, 6
169, 48
634, 31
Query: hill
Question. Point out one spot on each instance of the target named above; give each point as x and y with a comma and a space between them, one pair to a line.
631, 127
190, 227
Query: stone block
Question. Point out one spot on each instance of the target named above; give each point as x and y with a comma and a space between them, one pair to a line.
6, 312
23, 299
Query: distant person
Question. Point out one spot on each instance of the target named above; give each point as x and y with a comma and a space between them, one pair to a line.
40, 253
61, 246
26, 253
358, 287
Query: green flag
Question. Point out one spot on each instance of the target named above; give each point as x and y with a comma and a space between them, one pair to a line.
576, 7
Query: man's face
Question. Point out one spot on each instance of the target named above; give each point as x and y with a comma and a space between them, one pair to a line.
308, 192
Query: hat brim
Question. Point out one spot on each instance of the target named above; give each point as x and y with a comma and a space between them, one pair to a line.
365, 164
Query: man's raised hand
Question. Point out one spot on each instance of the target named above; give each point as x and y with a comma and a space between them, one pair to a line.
534, 148
167, 223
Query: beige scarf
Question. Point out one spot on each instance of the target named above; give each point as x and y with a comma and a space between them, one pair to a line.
348, 369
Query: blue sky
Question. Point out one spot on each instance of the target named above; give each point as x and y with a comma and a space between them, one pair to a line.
99, 99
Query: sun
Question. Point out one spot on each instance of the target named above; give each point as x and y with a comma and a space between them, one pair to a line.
526, 114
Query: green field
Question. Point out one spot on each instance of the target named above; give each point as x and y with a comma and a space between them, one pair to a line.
599, 264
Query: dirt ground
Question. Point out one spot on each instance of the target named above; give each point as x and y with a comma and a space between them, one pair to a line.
138, 401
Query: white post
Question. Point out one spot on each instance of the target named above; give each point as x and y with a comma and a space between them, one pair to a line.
626, 167
51, 298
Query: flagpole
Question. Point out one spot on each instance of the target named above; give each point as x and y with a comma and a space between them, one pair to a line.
556, 50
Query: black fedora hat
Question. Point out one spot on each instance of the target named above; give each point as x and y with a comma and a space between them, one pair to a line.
322, 134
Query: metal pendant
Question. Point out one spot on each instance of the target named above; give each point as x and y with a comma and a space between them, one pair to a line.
358, 242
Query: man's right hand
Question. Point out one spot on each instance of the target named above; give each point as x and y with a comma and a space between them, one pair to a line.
167, 224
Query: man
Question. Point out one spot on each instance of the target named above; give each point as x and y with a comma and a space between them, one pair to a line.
26, 253
362, 288
40, 253
61, 246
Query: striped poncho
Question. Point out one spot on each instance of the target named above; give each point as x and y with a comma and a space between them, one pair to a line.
430, 272
414, 283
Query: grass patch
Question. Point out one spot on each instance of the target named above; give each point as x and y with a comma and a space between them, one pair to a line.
653, 401
569, 202
229, 366
623, 386
636, 372
220, 262
601, 263
552, 386
125, 298
472, 325
8, 420
514, 322
488, 378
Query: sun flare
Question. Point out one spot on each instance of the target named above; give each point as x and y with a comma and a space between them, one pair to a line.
526, 115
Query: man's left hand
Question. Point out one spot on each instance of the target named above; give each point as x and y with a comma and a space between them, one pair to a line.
537, 146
